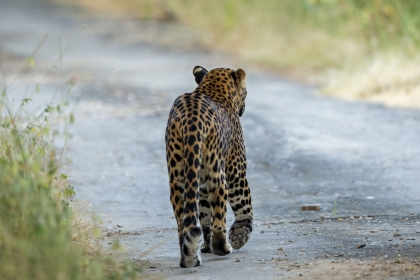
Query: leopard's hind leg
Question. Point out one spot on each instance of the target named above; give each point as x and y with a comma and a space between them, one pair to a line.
240, 201
217, 198
192, 236
176, 182
183, 181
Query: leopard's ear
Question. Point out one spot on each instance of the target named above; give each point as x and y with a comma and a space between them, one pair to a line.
240, 77
199, 73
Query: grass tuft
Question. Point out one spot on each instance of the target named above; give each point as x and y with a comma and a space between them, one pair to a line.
42, 236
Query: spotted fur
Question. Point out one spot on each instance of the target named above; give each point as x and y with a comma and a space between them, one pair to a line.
206, 160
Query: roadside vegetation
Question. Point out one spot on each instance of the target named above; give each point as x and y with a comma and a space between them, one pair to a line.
42, 234
354, 49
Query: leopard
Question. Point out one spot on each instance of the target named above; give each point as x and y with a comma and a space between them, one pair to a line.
206, 162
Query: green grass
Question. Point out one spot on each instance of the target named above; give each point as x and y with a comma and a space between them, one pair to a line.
41, 236
355, 49
296, 33
303, 34
329, 42
333, 43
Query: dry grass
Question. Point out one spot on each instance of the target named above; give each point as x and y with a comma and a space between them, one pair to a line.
393, 80
85, 230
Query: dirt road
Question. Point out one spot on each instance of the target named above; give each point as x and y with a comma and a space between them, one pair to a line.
359, 161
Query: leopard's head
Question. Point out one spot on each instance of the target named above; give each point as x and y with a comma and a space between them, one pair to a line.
238, 76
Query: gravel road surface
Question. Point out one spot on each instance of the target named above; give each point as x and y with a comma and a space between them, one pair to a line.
360, 162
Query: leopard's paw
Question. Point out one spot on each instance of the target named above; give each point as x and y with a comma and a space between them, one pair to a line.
219, 245
239, 233
190, 253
